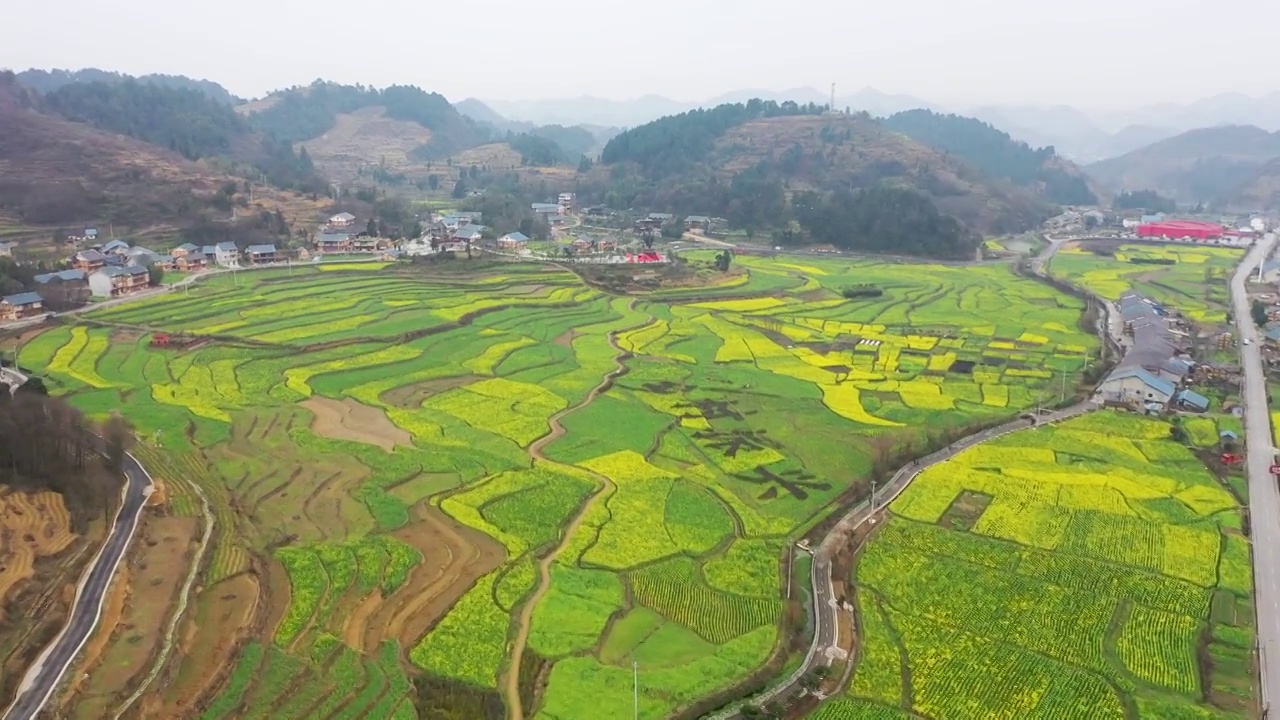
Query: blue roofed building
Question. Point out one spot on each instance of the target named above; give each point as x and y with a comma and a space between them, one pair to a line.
66, 276
20, 305
1136, 385
1190, 400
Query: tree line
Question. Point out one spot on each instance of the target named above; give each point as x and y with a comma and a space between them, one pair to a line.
44, 81
46, 443
1143, 200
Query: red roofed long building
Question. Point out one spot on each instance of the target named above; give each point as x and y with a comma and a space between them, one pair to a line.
1194, 229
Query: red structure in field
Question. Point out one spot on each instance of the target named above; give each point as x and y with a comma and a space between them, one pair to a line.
1181, 228
645, 257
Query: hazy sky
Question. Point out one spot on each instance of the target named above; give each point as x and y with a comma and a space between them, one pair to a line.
1098, 54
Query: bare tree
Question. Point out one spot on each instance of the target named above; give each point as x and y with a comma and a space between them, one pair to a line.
118, 439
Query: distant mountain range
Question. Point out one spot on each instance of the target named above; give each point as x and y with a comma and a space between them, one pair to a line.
1074, 134
1232, 165
1010, 162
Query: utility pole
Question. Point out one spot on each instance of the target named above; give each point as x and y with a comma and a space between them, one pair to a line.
635, 690
791, 564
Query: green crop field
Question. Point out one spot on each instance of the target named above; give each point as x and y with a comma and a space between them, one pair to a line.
1107, 576
1191, 278
505, 486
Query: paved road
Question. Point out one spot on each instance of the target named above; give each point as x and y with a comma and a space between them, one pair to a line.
1264, 500
44, 675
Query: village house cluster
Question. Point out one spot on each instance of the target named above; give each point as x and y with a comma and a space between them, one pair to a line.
115, 268
1154, 372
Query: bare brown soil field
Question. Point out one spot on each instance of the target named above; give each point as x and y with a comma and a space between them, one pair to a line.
112, 610
496, 156
453, 558
273, 595
32, 525
306, 495
157, 564
412, 396
349, 419
224, 615
566, 338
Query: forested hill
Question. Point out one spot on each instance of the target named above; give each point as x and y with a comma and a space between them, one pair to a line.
996, 154
187, 122
305, 113
802, 175
63, 174
45, 81
183, 120
673, 144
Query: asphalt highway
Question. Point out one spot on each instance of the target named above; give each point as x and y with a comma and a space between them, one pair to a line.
1264, 500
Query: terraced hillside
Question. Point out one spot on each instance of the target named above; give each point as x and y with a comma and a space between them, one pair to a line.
477, 493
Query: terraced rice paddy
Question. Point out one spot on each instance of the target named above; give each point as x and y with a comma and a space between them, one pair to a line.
513, 477
34, 525
1105, 575
1191, 278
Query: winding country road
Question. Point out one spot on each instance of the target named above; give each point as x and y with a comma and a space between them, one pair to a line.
1264, 500
44, 675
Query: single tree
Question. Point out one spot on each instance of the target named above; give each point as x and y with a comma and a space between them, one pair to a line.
117, 436
433, 181
723, 259
459, 189
155, 274
1259, 312
371, 227
33, 385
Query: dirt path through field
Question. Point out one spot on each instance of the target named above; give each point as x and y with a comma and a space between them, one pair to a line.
544, 565
184, 598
